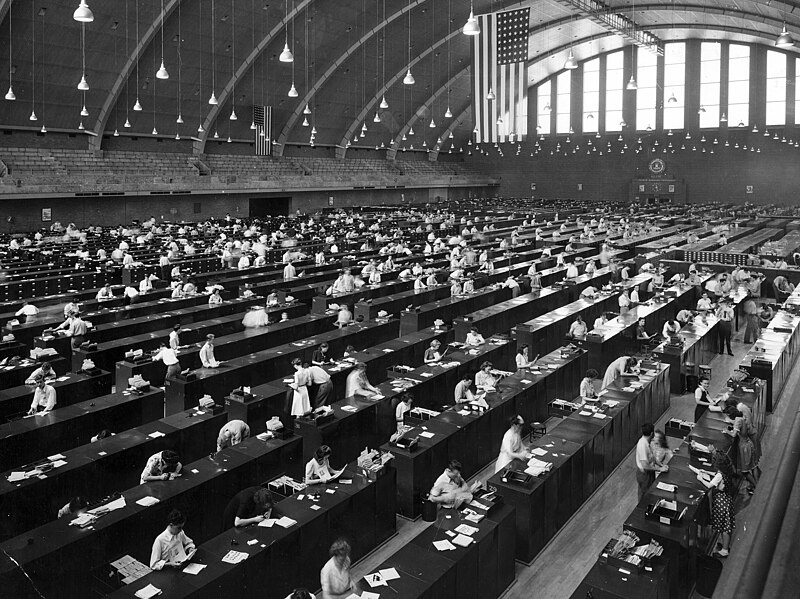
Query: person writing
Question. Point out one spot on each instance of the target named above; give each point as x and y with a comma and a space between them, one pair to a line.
474, 338
357, 383
207, 357
578, 328
249, 506
318, 468
512, 448
587, 384
233, 433
450, 490
320, 357
646, 466
484, 379
620, 366
334, 577
164, 465
463, 393
172, 548
45, 371
522, 358
671, 328
44, 398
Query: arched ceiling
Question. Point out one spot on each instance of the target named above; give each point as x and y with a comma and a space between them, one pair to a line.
348, 55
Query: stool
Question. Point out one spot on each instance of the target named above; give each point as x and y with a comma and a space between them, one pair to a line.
537, 430
428, 510
705, 370
690, 368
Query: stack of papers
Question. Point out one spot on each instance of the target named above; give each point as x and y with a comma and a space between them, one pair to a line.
147, 501
466, 529
444, 545
117, 504
462, 540
194, 569
538, 467
16, 477
83, 520
234, 557
148, 592
285, 521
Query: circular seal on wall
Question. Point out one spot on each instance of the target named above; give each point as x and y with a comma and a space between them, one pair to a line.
657, 166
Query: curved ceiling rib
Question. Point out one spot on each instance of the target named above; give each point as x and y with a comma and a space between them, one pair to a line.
332, 69
422, 110
96, 141
200, 146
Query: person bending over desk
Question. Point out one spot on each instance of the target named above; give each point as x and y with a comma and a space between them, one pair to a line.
450, 490
172, 547
164, 465
620, 366
335, 577
249, 506
45, 371
512, 448
233, 433
357, 383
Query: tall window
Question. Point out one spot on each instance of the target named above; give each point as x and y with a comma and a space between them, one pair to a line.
709, 84
797, 91
591, 95
563, 85
674, 85
543, 107
738, 85
776, 88
614, 87
646, 73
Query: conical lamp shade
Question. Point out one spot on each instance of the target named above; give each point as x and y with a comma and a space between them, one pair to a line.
448, 114
216, 134
784, 39
162, 72
33, 116
490, 94
384, 103
432, 124
471, 27
286, 55
177, 136
252, 125
233, 116
84, 112
411, 131
82, 14
83, 85
632, 84
137, 106
200, 128
155, 132
43, 129
409, 78
81, 127
116, 132
179, 120
307, 109
571, 63
377, 118
10, 94
213, 99
305, 122
127, 124
292, 91
313, 130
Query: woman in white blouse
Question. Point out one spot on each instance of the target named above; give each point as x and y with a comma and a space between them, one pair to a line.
523, 359
512, 447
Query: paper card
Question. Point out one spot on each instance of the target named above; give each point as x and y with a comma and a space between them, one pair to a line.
156, 435
377, 396
444, 545
375, 580
59, 463
58, 456
538, 451
147, 501
346, 481
526, 382
462, 540
450, 533
466, 529
148, 592
370, 595
16, 476
667, 487
387, 350
286, 522
315, 507
300, 497
388, 574
195, 471
252, 541
426, 434
600, 416
584, 413
426, 374
268, 523
194, 569
331, 491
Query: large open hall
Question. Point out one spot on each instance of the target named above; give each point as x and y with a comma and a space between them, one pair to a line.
399, 299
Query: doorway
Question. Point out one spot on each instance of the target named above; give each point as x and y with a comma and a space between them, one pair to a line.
270, 206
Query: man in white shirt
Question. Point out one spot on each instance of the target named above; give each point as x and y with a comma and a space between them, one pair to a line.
207, 357
600, 320
170, 359
145, 285
646, 466
172, 547
174, 338
28, 310
572, 271
289, 271
578, 329
44, 398
704, 303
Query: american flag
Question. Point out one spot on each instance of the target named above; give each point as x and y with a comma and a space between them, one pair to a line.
262, 117
499, 60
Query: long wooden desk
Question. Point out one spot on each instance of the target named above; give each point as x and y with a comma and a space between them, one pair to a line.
70, 388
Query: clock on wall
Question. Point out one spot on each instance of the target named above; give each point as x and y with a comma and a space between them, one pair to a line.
657, 166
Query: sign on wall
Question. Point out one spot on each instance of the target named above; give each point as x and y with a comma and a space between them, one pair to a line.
748, 189
47, 215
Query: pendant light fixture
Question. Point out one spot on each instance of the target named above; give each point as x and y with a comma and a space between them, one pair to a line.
292, 91
33, 116
286, 55
723, 118
83, 14
233, 116
471, 27
632, 86
377, 118
137, 106
84, 112
42, 12
785, 39
490, 95
162, 72
10, 93
571, 63
82, 84
127, 124
672, 99
179, 119
213, 99
409, 78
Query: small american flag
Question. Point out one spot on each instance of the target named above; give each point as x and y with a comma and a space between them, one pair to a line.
262, 117
499, 59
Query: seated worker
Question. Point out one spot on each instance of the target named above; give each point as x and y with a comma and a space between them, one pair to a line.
344, 317
578, 329
671, 327
522, 358
474, 338
164, 465
587, 384
318, 468
44, 398
704, 303
432, 354
45, 371
484, 379
249, 506
684, 317
450, 490
207, 357
75, 507
234, 432
321, 356
358, 384
641, 332
405, 405
172, 547
463, 393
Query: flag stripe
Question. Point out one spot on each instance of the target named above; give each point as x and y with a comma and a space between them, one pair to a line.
476, 83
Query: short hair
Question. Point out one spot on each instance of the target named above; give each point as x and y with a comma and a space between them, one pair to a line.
176, 327
436, 342
454, 465
647, 429
522, 348
467, 376
77, 503
592, 373
263, 498
322, 452
485, 364
407, 397
704, 378
517, 419
324, 345
339, 548
300, 594
103, 434
176, 518
630, 362
210, 336
170, 457
297, 362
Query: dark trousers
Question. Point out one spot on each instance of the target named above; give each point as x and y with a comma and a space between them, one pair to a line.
173, 370
321, 393
644, 480
752, 330
76, 341
724, 336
